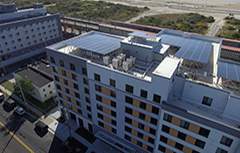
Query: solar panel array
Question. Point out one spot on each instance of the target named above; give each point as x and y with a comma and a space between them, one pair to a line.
96, 42
191, 49
229, 71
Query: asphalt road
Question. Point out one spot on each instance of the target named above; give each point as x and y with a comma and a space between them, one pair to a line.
23, 137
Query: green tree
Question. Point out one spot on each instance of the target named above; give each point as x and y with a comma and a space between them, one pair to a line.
26, 85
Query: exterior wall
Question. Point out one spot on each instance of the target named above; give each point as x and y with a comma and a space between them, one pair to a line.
194, 92
232, 108
28, 37
47, 91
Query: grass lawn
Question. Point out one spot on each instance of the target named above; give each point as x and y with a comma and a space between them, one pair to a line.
8, 85
86, 135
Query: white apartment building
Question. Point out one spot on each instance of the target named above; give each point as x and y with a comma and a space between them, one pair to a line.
25, 32
166, 93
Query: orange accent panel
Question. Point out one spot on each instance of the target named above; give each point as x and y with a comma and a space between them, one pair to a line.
135, 123
136, 102
145, 137
135, 113
171, 142
190, 139
65, 104
64, 97
147, 118
109, 128
176, 121
59, 71
61, 80
106, 119
194, 128
106, 101
134, 132
70, 84
72, 93
106, 110
133, 140
144, 146
106, 91
146, 128
187, 150
63, 89
149, 108
75, 109
168, 151
173, 132
74, 101
68, 74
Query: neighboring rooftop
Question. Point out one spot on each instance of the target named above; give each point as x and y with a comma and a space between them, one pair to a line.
43, 66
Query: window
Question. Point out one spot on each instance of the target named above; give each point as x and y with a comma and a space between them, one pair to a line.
85, 81
140, 135
204, 132
153, 121
141, 126
74, 76
226, 141
144, 93
77, 95
156, 98
128, 120
97, 77
151, 140
52, 59
89, 108
139, 143
89, 116
58, 87
128, 110
114, 131
161, 148
152, 131
129, 100
142, 116
149, 148
72, 66
99, 107
61, 63
184, 124
84, 71
200, 143
167, 117
127, 129
112, 83
181, 136
100, 116
79, 103
99, 98
65, 82
60, 94
207, 101
142, 105
113, 113
178, 146
129, 88
87, 99
75, 86
98, 88
79, 111
67, 90
219, 150
165, 129
127, 137
163, 139
113, 93
113, 104
100, 123
64, 72
56, 78
86, 90
155, 110
114, 122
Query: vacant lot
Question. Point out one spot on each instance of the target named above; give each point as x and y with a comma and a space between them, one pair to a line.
231, 30
190, 22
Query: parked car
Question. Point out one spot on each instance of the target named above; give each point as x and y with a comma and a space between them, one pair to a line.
1, 96
19, 110
69, 146
10, 103
42, 126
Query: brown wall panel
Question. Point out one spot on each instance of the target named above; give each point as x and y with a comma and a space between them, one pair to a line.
106, 101
134, 132
72, 93
136, 102
135, 113
173, 132
106, 110
187, 150
61, 80
63, 89
75, 109
144, 146
106, 119
168, 151
147, 118
135, 123
146, 128
171, 142
176, 121
106, 91
74, 101
149, 108
64, 97
133, 140
59, 71
145, 137
190, 139
194, 128
69, 75
109, 128
70, 84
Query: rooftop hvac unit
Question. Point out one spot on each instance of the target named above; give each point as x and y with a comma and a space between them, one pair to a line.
115, 63
120, 58
106, 60
130, 62
133, 59
123, 56
126, 66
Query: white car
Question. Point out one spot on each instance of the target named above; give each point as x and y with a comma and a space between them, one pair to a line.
19, 110
1, 96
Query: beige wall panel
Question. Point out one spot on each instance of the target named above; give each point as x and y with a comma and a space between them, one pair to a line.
176, 121
59, 71
106, 101
135, 113
64, 97
106, 110
136, 102
72, 93
106, 91
109, 128
134, 132
194, 128
145, 137
168, 151
146, 128
75, 109
144, 146
190, 139
106, 119
69, 75
63, 89
173, 132
70, 84
171, 142
149, 108
74, 101
135, 123
133, 140
61, 80
187, 150
147, 118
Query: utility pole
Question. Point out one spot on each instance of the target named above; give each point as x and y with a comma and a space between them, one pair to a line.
65, 116
3, 66
26, 104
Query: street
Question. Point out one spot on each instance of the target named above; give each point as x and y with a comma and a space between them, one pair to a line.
18, 134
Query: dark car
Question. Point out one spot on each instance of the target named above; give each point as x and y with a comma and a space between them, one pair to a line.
69, 145
42, 126
10, 103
